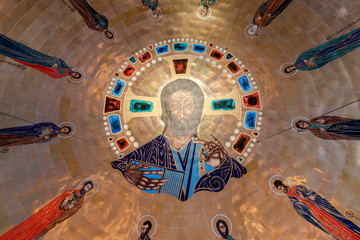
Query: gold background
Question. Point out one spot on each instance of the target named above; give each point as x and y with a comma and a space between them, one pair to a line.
30, 176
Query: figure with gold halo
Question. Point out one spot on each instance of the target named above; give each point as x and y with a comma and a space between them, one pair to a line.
319, 56
178, 162
332, 127
318, 211
92, 18
266, 13
47, 217
52, 66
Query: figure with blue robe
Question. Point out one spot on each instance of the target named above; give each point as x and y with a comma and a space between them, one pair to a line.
52, 66
319, 56
332, 127
92, 18
318, 211
178, 162
37, 133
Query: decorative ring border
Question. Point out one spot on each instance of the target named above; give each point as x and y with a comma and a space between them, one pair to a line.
73, 127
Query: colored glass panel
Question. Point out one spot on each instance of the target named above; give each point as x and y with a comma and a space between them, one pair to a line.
162, 49
128, 71
229, 56
215, 54
111, 104
180, 66
118, 88
180, 47
146, 56
140, 106
132, 59
199, 48
122, 143
115, 124
250, 120
223, 104
241, 143
252, 100
233, 67
245, 84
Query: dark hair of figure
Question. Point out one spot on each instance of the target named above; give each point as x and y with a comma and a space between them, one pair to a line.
68, 129
149, 224
286, 70
89, 183
76, 77
278, 183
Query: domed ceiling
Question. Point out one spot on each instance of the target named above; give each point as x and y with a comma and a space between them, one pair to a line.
135, 88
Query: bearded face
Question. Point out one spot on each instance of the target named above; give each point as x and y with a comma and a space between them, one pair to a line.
182, 115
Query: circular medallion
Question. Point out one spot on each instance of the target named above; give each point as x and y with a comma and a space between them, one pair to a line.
203, 13
296, 129
175, 88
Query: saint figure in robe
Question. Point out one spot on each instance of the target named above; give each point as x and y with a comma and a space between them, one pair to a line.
37, 133
52, 66
319, 56
53, 213
332, 127
177, 162
152, 5
318, 211
92, 18
206, 4
267, 12
223, 230
145, 229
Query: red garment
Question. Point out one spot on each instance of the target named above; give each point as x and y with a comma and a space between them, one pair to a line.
326, 135
328, 222
39, 221
47, 70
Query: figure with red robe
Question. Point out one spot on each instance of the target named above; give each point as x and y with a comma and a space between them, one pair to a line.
267, 12
332, 127
318, 211
52, 66
92, 18
55, 212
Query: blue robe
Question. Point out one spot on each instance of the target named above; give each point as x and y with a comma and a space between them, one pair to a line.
329, 51
27, 134
182, 168
25, 54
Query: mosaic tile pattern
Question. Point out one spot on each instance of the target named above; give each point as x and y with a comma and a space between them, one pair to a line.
32, 175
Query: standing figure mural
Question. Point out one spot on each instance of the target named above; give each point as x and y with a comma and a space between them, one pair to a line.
205, 7
53, 213
318, 211
266, 13
52, 66
153, 7
92, 18
37, 133
178, 162
319, 56
332, 127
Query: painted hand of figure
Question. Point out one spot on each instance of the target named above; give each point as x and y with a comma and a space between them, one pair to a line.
310, 62
136, 177
55, 65
216, 152
320, 121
